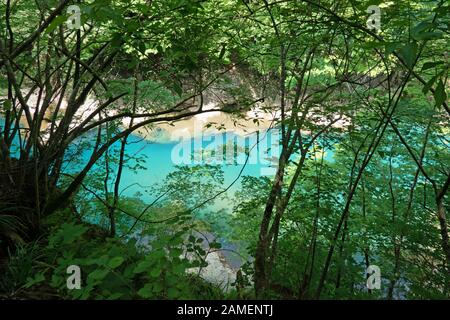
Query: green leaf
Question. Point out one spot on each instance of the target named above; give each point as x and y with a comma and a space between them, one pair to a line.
155, 273
179, 269
142, 266
373, 44
115, 262
429, 84
32, 281
98, 274
421, 27
409, 54
146, 291
428, 36
175, 253
177, 88
200, 251
215, 245
55, 23
374, 2
71, 232
439, 94
7, 105
157, 287
142, 47
116, 41
115, 296
172, 293
390, 47
429, 65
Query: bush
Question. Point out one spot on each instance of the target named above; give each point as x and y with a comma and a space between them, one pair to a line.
110, 267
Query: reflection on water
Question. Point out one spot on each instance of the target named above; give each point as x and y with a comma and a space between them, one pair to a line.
254, 155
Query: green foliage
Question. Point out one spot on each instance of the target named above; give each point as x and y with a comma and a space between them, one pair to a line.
110, 268
21, 271
372, 189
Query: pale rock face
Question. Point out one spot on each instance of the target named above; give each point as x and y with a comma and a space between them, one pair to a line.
33, 102
197, 126
205, 124
217, 272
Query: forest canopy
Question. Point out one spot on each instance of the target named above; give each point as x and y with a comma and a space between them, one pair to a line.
224, 149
